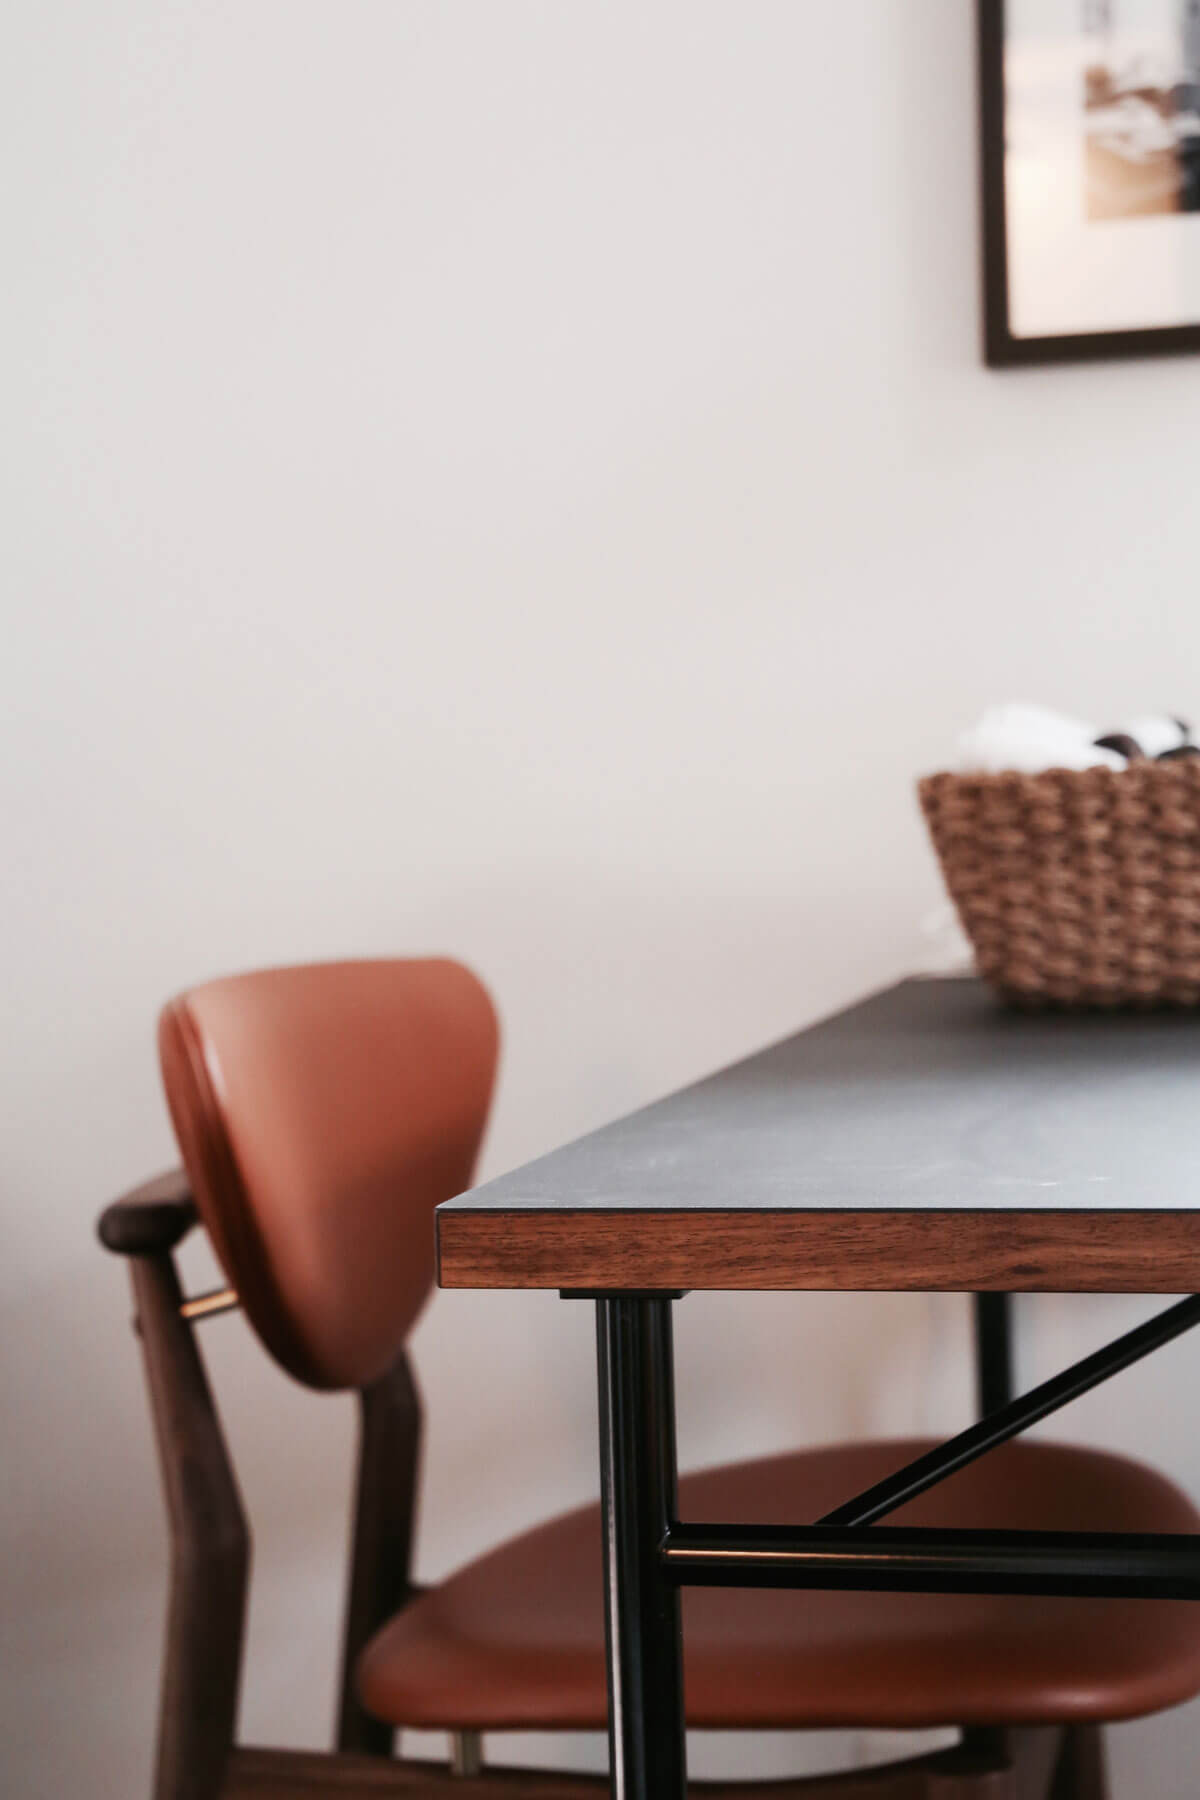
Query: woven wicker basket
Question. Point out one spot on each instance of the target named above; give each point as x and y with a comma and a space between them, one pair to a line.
1076, 887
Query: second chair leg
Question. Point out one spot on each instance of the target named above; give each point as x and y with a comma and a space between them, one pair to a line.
1081, 1773
466, 1753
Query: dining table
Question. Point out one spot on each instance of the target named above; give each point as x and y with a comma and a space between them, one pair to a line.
928, 1138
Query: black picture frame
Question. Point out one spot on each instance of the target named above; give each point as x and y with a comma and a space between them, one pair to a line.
1001, 348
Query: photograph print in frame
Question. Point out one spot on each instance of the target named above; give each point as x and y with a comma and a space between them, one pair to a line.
1090, 114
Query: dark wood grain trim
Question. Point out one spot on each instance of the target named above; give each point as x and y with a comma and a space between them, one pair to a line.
622, 1249
268, 1774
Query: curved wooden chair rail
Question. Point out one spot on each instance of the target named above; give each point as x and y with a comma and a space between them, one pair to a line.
150, 1219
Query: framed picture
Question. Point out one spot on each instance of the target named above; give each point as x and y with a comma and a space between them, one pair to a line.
1090, 116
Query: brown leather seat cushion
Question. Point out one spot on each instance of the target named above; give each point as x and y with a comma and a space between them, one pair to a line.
516, 1639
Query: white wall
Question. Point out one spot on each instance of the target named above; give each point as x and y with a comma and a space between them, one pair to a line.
516, 480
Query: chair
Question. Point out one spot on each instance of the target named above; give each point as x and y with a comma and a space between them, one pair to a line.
321, 1113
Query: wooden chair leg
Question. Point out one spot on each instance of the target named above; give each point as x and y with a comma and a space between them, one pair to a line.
1081, 1773
996, 1765
385, 1511
210, 1547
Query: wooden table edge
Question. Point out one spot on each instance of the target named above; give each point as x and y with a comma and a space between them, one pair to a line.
955, 1249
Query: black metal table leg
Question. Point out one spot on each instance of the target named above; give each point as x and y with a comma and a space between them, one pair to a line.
993, 1351
637, 1475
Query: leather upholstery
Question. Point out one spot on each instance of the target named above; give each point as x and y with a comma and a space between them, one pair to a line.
322, 1113
516, 1639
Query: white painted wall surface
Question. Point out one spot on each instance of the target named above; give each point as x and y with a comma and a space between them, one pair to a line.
515, 480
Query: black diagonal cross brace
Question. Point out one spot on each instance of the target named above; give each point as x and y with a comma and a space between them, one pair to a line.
837, 1553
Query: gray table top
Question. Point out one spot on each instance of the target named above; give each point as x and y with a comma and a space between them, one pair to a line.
928, 1095
926, 1138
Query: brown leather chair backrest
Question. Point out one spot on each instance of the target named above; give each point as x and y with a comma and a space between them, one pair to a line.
322, 1113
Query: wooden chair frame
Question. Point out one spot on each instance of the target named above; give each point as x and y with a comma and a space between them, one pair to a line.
198, 1755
